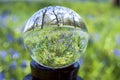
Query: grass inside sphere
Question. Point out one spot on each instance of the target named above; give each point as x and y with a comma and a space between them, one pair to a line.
55, 46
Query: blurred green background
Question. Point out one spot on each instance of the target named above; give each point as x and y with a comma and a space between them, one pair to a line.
102, 57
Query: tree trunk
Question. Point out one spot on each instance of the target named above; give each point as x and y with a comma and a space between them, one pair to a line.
116, 2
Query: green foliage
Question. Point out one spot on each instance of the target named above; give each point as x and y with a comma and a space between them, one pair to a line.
55, 46
102, 57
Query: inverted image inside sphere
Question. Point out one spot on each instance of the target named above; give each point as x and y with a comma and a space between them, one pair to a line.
55, 36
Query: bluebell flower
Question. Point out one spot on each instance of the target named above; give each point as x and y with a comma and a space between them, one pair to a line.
13, 18
9, 37
12, 79
14, 54
3, 53
117, 52
24, 64
60, 40
13, 65
80, 61
96, 37
2, 76
5, 13
3, 17
117, 39
2, 22
91, 17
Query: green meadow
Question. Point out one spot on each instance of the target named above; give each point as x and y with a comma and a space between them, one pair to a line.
101, 60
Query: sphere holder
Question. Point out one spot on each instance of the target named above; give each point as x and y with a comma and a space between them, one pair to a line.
39, 72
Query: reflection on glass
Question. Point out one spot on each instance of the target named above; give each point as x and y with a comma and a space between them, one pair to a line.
55, 36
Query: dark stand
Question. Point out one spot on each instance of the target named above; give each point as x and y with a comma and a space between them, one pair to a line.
43, 73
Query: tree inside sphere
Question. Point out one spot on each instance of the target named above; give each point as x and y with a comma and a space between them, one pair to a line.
55, 37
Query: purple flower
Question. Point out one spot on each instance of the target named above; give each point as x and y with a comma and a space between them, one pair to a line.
9, 37
3, 53
13, 65
24, 64
2, 76
117, 52
14, 54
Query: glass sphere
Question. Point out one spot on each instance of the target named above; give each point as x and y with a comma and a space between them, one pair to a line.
55, 36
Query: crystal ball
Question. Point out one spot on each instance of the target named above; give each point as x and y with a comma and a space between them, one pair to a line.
55, 36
